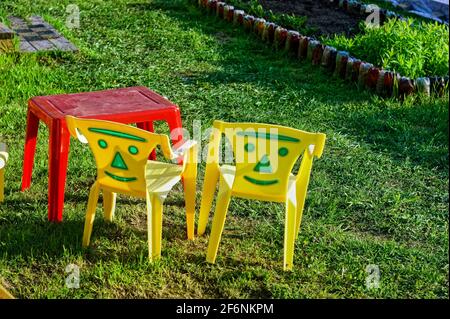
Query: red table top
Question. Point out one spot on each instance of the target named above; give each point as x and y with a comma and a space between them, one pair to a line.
101, 104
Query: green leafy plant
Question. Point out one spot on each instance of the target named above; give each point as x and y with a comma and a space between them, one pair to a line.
289, 21
412, 48
256, 8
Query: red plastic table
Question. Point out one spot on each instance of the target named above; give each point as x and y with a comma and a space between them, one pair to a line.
128, 105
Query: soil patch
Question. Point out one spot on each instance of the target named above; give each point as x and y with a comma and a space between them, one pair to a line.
325, 18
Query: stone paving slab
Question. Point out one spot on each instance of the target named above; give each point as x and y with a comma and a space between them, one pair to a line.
42, 45
25, 46
63, 44
36, 35
5, 32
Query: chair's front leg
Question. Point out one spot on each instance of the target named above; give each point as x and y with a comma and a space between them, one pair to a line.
154, 225
189, 197
109, 205
301, 189
223, 201
289, 235
209, 188
2, 184
190, 190
90, 213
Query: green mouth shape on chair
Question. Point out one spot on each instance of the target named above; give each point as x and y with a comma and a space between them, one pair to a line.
121, 179
260, 182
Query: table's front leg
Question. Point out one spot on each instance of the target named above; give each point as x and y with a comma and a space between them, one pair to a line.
58, 157
148, 126
176, 129
30, 149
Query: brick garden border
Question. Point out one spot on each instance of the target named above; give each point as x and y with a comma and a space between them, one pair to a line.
339, 63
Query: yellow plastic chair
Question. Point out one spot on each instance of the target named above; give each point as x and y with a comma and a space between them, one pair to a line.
3, 160
4, 294
121, 153
264, 157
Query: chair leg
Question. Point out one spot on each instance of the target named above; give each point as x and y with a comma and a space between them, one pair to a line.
109, 205
289, 235
154, 225
209, 188
189, 197
2, 184
90, 213
223, 201
301, 190
299, 216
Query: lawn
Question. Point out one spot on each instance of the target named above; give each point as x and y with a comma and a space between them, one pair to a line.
378, 196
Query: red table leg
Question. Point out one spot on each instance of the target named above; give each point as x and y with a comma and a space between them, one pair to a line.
30, 149
175, 127
176, 133
58, 157
148, 126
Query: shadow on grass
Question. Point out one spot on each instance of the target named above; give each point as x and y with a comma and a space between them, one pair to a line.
37, 238
29, 234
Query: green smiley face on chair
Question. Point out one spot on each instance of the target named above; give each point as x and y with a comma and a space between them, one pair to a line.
263, 165
118, 163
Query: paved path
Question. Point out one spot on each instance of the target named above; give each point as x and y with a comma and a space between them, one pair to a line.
38, 35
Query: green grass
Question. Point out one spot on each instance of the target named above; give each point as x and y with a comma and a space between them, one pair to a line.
379, 195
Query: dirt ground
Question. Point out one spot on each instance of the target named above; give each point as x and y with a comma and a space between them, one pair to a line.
327, 18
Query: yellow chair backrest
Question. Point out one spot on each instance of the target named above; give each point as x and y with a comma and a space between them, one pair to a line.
264, 156
121, 152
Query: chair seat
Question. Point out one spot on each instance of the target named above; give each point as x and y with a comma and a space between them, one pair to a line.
162, 177
228, 173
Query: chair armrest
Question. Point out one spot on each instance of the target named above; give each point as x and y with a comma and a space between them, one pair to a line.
183, 149
318, 149
73, 130
3, 155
